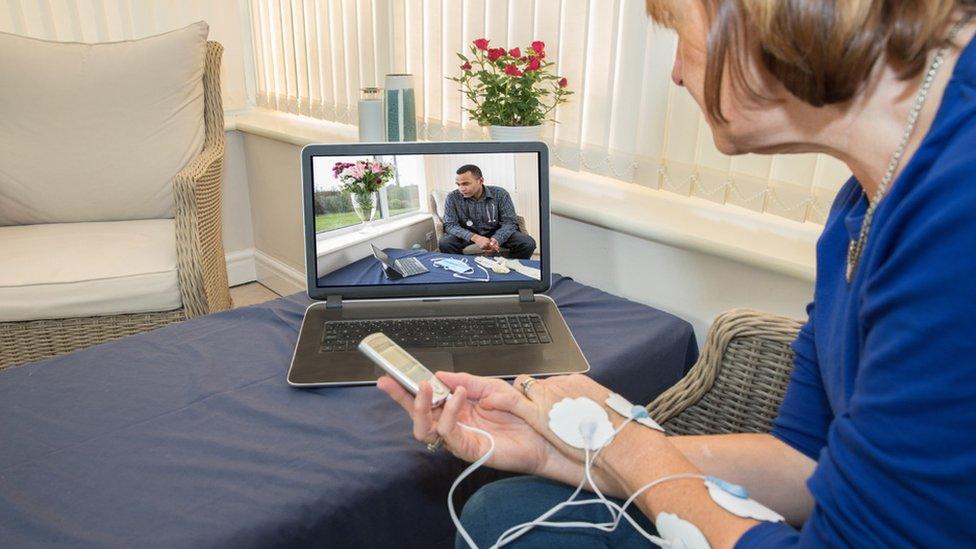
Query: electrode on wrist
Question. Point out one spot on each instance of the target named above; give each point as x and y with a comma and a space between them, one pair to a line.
627, 409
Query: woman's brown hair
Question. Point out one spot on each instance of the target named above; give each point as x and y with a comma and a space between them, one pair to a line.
822, 51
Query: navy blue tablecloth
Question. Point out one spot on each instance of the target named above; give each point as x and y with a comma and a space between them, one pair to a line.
369, 270
189, 435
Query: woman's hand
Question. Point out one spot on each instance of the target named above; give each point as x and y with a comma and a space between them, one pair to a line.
542, 395
518, 447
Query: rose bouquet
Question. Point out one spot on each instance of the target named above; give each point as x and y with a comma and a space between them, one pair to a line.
362, 179
510, 87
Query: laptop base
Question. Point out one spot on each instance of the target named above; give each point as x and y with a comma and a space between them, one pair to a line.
311, 367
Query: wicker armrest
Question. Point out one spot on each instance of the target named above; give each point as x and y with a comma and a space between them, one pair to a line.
197, 192
739, 381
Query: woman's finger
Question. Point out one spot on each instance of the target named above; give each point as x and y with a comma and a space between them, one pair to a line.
528, 385
396, 391
423, 420
447, 426
477, 386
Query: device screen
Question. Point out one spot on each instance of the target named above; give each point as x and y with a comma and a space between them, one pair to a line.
400, 360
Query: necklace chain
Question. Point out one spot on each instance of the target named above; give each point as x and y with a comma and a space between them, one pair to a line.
856, 247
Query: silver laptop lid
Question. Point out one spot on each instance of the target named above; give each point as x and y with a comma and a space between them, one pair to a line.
475, 214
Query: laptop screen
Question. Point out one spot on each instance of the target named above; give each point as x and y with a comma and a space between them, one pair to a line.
434, 218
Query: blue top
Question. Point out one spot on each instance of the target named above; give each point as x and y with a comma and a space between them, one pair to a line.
883, 394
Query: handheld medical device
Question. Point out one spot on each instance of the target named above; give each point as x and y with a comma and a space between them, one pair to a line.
402, 366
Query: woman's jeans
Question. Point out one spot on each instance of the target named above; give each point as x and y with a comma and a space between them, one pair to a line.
505, 503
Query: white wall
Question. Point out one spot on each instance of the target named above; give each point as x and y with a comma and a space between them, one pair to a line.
692, 285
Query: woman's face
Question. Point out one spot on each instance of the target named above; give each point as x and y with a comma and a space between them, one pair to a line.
752, 125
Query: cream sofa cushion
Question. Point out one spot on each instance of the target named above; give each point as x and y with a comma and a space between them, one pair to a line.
96, 132
67, 270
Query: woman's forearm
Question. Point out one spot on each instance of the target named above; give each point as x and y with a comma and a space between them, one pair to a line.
775, 474
640, 456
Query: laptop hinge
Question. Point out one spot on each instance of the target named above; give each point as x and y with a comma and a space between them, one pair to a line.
526, 296
333, 302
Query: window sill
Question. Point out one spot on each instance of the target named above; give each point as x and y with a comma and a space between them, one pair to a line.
327, 244
761, 240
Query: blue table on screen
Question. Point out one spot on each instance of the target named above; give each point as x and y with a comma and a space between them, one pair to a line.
188, 436
369, 270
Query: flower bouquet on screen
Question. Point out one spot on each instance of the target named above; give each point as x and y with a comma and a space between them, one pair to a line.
362, 180
514, 91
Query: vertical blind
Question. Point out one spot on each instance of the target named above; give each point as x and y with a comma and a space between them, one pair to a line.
626, 120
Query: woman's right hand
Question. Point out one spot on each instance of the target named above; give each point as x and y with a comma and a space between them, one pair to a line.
518, 447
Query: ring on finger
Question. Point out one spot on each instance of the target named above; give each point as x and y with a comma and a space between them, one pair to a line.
435, 444
526, 383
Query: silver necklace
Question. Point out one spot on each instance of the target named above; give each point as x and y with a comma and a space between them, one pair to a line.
856, 247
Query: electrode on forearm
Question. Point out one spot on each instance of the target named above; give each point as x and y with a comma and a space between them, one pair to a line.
584, 424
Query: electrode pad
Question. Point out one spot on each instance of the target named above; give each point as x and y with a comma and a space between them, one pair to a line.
567, 415
625, 408
679, 532
734, 499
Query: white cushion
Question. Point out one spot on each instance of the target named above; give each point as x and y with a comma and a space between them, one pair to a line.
67, 270
96, 132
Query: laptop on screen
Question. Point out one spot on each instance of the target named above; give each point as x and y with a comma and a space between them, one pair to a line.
451, 263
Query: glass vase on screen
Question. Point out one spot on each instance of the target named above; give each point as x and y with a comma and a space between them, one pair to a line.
364, 205
362, 179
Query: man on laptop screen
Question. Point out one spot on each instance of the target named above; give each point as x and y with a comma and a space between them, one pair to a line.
483, 215
436, 221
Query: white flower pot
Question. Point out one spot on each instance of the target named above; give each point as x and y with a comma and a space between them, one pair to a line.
515, 133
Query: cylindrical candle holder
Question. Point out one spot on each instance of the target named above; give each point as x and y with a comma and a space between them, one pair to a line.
371, 122
401, 112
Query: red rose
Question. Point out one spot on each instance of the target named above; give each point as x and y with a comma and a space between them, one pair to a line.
481, 43
534, 64
539, 47
512, 70
563, 83
495, 53
515, 52
466, 66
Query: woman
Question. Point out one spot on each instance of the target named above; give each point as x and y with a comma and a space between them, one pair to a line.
875, 443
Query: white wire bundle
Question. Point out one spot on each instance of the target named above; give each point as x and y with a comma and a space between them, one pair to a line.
617, 512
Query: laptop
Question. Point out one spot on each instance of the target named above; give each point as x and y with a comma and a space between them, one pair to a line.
468, 311
401, 268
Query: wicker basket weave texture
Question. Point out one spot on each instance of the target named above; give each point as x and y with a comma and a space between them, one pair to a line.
201, 266
739, 381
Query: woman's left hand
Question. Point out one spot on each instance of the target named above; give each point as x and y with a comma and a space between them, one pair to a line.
540, 397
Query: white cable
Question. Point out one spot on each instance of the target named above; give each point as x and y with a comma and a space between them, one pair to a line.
464, 474
517, 531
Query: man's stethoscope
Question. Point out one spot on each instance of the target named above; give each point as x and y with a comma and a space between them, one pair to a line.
491, 212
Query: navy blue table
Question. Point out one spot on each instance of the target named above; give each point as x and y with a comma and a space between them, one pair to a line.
368, 270
189, 435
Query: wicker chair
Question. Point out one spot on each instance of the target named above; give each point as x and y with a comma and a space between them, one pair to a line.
739, 381
199, 248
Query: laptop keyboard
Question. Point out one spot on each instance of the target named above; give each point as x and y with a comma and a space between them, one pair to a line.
454, 331
409, 266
